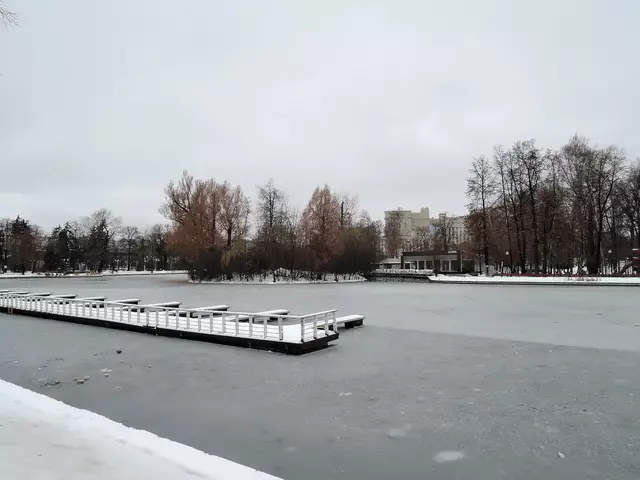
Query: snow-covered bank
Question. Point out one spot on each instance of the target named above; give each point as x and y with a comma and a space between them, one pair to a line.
42, 438
286, 281
143, 272
526, 280
88, 274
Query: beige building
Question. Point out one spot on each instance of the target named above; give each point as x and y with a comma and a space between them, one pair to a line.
412, 222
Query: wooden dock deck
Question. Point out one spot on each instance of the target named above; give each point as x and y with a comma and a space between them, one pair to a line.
275, 330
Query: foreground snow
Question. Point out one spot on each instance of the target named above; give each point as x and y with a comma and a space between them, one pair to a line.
520, 280
41, 438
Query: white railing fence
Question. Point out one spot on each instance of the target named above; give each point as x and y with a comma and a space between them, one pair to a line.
402, 271
263, 325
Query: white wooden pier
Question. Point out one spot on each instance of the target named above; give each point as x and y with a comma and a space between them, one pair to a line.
276, 330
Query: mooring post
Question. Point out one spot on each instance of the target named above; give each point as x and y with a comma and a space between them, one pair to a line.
315, 326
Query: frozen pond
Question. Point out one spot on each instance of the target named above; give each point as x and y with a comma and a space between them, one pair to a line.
444, 381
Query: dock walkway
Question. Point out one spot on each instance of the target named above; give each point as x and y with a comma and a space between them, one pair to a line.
275, 330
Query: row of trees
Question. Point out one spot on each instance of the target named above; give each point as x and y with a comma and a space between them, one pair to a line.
95, 243
219, 233
547, 211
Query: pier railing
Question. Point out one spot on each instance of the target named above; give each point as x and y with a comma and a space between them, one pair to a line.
253, 325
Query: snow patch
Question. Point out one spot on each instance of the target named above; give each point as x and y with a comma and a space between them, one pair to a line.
449, 456
44, 438
399, 432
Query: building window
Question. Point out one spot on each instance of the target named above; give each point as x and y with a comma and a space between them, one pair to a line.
429, 265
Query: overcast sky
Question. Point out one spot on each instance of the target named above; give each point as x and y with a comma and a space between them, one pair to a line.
102, 103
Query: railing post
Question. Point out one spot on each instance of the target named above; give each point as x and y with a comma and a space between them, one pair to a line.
251, 325
121, 319
76, 308
157, 318
280, 330
146, 316
224, 321
237, 325
199, 320
211, 323
264, 324
315, 326
113, 311
83, 309
326, 324
335, 321
302, 329
188, 315
166, 320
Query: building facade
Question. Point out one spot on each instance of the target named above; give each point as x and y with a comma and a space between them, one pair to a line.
413, 224
410, 222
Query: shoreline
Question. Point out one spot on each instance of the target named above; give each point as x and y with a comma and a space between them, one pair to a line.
120, 273
591, 281
270, 282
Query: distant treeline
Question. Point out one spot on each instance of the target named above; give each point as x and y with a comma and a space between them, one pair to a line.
214, 232
95, 243
218, 233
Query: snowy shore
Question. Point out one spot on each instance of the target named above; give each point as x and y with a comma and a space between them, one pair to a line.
42, 438
526, 280
109, 273
286, 281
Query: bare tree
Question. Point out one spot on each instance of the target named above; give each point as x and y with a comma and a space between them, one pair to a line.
102, 226
630, 197
532, 163
130, 236
348, 210
500, 167
7, 17
320, 226
443, 232
420, 240
591, 175
481, 188
392, 232
272, 226
179, 197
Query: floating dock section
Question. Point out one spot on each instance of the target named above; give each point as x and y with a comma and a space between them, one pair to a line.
275, 330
